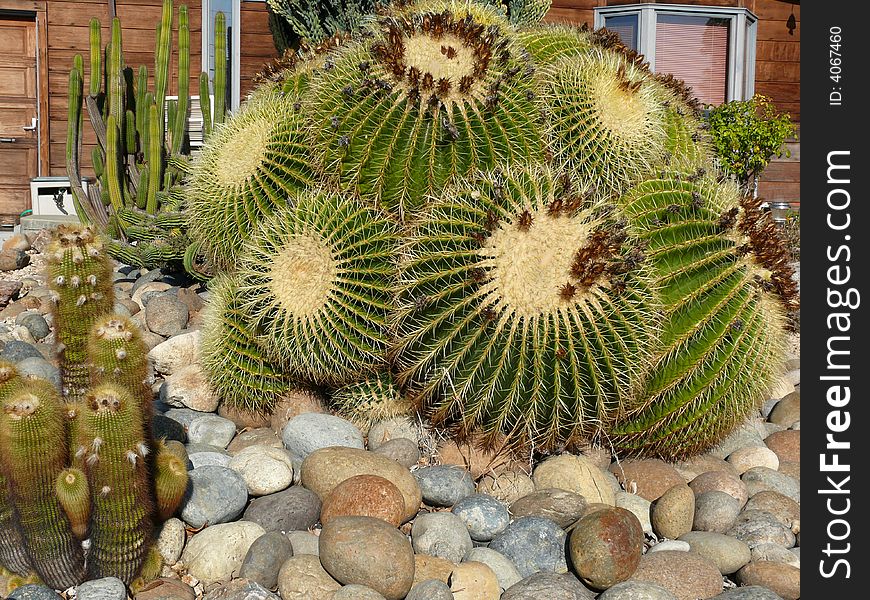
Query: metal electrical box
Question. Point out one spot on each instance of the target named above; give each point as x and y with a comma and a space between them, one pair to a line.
51, 196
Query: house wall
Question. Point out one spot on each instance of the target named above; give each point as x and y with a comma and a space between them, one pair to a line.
777, 71
68, 35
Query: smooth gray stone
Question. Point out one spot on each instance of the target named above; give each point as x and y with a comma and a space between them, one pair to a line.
215, 495
264, 559
211, 429
308, 432
107, 588
549, 586
636, 590
533, 544
35, 324
168, 428
41, 368
441, 534
484, 516
444, 485
240, 589
430, 589
33, 591
15, 351
293, 509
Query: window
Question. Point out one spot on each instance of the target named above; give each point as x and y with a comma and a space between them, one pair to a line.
712, 49
232, 13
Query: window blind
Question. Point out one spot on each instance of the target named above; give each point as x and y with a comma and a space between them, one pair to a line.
625, 26
695, 49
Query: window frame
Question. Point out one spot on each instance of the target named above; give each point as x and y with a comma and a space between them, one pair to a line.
742, 36
235, 54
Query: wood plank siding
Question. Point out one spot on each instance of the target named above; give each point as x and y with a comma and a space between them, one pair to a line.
68, 36
777, 70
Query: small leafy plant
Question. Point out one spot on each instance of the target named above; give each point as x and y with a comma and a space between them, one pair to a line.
747, 135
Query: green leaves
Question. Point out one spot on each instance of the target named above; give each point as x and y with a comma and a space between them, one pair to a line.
747, 135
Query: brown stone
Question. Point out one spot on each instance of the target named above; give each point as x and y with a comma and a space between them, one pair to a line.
432, 567
262, 436
783, 508
244, 419
191, 298
474, 581
365, 496
8, 291
786, 444
792, 469
673, 513
561, 506
294, 403
720, 481
687, 575
324, 469
12, 260
472, 458
576, 474
507, 486
16, 241
651, 477
782, 578
606, 547
370, 552
302, 577
166, 589
787, 411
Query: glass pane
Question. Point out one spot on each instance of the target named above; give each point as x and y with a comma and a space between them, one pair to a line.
625, 26
695, 49
226, 7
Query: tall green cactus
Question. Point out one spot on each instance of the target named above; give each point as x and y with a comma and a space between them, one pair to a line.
220, 67
80, 278
138, 161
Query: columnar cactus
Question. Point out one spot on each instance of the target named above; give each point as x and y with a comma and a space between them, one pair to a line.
80, 278
112, 438
139, 161
32, 453
81, 465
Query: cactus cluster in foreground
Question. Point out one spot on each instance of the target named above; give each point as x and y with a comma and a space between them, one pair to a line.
79, 463
514, 228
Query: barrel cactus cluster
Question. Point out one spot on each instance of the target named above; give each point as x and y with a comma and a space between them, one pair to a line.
512, 228
79, 463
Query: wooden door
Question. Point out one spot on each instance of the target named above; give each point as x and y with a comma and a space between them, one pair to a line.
19, 150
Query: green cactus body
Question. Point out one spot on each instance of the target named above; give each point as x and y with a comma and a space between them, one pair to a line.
32, 453
371, 401
74, 128
115, 75
723, 338
527, 12
162, 59
80, 277
548, 43
113, 163
155, 157
96, 47
220, 68
256, 163
523, 311
239, 369
12, 554
205, 105
179, 124
317, 282
606, 118
111, 433
117, 355
170, 482
74, 496
441, 91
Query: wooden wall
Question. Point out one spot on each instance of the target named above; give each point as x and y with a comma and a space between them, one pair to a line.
777, 71
68, 36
